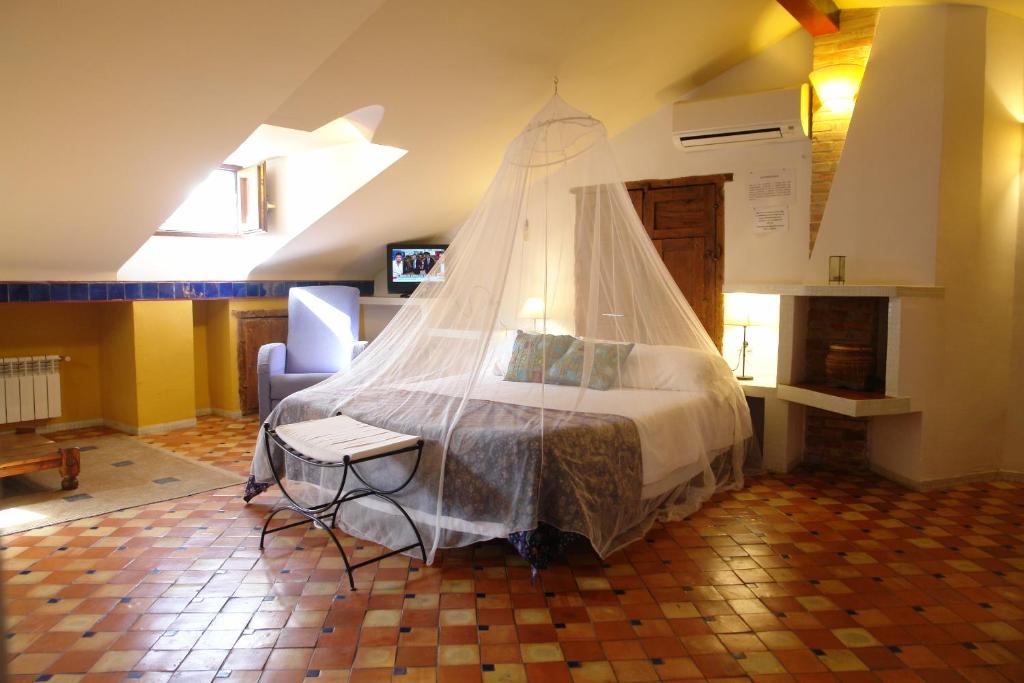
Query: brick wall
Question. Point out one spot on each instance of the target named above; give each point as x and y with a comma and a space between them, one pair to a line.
830, 439
851, 45
836, 441
844, 320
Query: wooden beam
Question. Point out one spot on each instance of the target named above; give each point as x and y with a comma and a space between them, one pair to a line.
818, 17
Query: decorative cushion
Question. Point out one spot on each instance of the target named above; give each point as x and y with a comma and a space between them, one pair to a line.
609, 361
534, 354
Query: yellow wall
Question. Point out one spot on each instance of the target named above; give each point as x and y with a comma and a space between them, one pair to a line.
117, 364
164, 369
200, 351
62, 329
218, 341
222, 345
135, 364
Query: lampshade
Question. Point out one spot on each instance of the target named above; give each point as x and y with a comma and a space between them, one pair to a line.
533, 308
837, 86
751, 309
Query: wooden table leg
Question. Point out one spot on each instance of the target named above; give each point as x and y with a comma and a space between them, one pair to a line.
70, 466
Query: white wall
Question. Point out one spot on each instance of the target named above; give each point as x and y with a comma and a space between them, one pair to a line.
1003, 205
882, 209
646, 151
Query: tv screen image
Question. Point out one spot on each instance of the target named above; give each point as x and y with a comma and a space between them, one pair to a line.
411, 264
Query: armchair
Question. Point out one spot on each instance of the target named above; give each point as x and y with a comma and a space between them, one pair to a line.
323, 329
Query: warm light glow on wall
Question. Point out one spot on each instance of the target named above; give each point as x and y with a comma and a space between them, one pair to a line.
837, 86
761, 313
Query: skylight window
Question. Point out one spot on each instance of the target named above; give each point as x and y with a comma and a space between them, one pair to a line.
230, 202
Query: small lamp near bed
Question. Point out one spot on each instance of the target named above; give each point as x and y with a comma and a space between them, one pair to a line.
533, 308
742, 310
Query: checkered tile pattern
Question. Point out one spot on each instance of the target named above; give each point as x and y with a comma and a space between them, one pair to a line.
815, 577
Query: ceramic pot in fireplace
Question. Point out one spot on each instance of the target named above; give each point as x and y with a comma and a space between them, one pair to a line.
850, 365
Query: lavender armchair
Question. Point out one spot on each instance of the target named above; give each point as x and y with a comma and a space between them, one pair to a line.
323, 329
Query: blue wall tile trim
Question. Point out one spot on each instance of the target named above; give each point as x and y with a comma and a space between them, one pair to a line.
16, 292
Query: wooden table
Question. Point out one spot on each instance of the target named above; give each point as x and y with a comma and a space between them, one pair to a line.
27, 452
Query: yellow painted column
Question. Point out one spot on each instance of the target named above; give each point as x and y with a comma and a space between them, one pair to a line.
117, 366
147, 365
164, 364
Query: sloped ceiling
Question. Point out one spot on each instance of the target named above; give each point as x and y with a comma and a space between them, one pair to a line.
1013, 7
113, 109
122, 106
458, 80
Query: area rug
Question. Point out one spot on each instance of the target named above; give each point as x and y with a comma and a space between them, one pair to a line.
118, 472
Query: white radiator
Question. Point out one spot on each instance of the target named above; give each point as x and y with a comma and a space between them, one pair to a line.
29, 388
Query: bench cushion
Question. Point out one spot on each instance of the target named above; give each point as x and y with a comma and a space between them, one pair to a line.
332, 438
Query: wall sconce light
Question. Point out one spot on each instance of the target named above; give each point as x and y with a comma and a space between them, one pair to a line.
837, 86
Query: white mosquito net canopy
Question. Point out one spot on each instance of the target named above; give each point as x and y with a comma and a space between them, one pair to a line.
549, 361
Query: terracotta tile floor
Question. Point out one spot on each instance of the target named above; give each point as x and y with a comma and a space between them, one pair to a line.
813, 577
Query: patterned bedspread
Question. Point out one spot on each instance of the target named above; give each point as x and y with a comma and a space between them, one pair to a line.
570, 475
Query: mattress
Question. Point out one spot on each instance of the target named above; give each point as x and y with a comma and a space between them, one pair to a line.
676, 428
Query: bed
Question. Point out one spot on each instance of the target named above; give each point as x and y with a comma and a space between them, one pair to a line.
600, 464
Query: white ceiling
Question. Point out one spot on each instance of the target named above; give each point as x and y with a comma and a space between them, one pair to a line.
114, 109
122, 106
1014, 7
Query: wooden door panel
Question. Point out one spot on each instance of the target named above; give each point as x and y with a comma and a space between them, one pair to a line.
637, 197
685, 260
675, 212
254, 332
685, 219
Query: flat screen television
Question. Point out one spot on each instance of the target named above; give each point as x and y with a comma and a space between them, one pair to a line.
410, 263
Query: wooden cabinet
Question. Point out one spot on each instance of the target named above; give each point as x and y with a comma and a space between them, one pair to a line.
685, 218
256, 328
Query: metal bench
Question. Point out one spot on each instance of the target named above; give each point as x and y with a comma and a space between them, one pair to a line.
340, 442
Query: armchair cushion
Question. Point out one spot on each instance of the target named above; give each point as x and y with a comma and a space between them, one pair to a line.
323, 323
287, 384
269, 362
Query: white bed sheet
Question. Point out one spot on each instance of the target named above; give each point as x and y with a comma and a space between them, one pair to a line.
676, 428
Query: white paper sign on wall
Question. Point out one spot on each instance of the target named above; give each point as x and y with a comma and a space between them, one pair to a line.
768, 219
774, 186
770, 193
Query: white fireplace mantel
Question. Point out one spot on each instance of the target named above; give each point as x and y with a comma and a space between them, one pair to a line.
865, 290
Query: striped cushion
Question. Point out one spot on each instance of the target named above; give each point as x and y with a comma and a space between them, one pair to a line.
332, 438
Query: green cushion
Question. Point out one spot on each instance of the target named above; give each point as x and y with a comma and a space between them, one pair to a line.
609, 360
534, 354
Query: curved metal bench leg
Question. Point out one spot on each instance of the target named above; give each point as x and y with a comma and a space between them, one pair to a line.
266, 525
408, 518
344, 557
317, 514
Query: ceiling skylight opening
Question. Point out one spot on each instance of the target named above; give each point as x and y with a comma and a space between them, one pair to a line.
285, 180
231, 201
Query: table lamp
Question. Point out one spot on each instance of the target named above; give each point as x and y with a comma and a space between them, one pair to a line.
533, 308
745, 310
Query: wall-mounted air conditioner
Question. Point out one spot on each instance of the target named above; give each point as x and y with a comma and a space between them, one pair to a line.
770, 116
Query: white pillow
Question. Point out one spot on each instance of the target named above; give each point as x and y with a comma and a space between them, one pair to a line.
671, 368
500, 354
